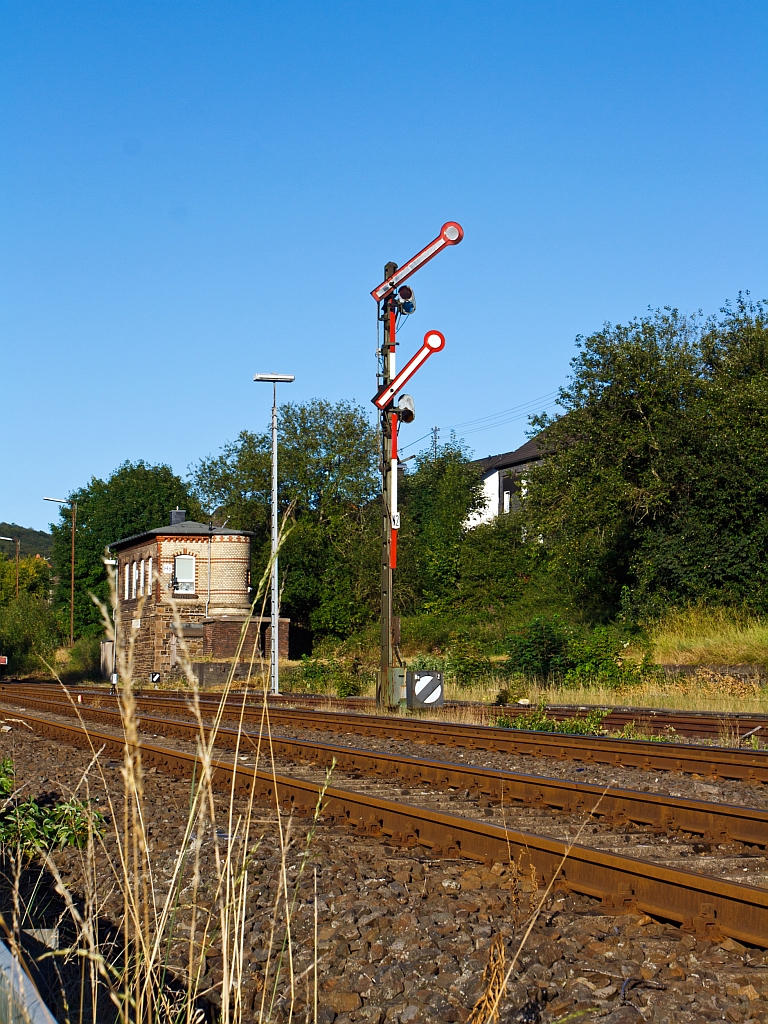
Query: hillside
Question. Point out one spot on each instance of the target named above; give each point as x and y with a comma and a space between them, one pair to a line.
33, 542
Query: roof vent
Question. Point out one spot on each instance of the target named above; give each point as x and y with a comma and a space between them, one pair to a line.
178, 515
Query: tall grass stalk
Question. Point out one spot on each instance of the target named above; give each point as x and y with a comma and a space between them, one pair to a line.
147, 979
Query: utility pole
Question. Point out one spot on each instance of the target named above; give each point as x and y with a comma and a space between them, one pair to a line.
435, 436
385, 695
73, 511
393, 300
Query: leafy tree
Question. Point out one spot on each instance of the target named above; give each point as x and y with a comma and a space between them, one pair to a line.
654, 477
34, 578
436, 501
29, 629
135, 498
328, 459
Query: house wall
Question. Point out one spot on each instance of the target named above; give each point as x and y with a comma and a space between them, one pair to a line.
491, 496
148, 622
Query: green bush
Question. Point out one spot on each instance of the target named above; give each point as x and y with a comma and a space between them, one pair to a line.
320, 676
540, 648
30, 631
465, 663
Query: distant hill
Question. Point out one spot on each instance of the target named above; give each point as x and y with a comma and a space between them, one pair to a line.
33, 542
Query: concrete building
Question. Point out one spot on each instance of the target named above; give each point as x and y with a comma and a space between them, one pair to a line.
503, 479
205, 573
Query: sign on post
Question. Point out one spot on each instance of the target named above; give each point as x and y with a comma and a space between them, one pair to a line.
434, 341
451, 233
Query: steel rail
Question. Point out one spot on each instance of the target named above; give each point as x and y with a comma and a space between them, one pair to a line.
705, 906
717, 823
689, 724
713, 762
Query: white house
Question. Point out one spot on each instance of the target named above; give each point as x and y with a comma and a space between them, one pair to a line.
503, 479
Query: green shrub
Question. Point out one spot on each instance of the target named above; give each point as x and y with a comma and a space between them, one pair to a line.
465, 663
320, 676
6, 777
32, 826
541, 648
427, 663
30, 630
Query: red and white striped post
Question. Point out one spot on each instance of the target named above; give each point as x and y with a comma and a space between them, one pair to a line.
391, 382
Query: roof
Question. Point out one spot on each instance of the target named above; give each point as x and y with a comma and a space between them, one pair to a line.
531, 451
185, 529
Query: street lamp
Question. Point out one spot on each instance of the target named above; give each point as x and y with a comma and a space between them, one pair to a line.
16, 539
69, 501
113, 677
274, 379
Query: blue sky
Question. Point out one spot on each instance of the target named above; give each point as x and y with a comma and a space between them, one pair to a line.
194, 192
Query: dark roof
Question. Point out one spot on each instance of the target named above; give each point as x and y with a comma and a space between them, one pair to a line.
531, 451
186, 529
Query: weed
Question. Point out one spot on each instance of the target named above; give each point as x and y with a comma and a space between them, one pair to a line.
538, 720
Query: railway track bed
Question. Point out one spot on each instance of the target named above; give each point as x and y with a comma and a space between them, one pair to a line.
404, 934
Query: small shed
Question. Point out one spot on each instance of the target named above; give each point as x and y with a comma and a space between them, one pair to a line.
185, 587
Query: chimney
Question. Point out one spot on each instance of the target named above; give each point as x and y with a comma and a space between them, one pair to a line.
178, 515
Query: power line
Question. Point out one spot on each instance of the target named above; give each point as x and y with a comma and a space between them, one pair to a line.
498, 419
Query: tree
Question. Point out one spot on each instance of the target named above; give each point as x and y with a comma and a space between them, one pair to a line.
34, 578
328, 478
135, 498
436, 501
653, 477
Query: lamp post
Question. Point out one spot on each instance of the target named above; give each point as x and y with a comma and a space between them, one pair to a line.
274, 379
73, 505
16, 539
113, 675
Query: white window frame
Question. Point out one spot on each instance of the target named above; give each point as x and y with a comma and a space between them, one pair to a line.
141, 578
149, 576
184, 586
127, 580
134, 579
507, 500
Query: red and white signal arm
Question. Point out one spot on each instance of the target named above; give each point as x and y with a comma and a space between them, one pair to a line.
451, 233
434, 341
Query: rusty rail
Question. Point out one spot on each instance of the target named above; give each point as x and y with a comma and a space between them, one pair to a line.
703, 905
713, 762
717, 823
687, 724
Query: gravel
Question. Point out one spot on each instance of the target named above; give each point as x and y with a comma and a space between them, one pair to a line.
404, 938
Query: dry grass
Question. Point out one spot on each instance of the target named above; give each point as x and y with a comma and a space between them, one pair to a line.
710, 636
135, 974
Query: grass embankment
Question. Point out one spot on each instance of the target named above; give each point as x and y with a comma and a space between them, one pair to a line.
710, 636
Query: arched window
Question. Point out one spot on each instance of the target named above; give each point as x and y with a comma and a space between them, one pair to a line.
127, 581
184, 574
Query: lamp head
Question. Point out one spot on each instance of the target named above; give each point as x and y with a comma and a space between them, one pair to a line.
275, 378
406, 409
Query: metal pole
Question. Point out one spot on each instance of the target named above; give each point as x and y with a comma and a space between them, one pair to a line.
208, 598
275, 592
385, 695
73, 506
17, 568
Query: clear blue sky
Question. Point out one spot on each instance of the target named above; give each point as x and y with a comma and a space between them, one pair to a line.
192, 192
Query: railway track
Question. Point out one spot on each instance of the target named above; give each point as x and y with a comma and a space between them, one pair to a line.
712, 762
705, 906
715, 823
654, 721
